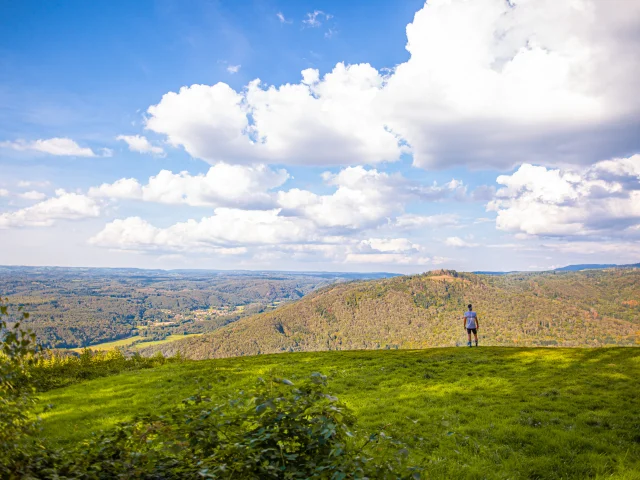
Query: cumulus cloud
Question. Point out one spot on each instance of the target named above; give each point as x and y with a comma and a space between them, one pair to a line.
328, 121
602, 200
222, 185
32, 195
140, 144
400, 251
304, 224
413, 221
53, 146
363, 198
389, 245
233, 68
459, 243
4, 192
227, 228
64, 206
264, 235
488, 83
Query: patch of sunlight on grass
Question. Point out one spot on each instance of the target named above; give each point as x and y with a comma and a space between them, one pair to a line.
170, 338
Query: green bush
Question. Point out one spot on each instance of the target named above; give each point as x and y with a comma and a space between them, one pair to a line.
53, 369
21, 453
276, 431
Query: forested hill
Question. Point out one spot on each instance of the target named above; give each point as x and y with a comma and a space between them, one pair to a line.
591, 308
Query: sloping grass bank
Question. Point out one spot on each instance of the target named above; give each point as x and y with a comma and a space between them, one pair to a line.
471, 413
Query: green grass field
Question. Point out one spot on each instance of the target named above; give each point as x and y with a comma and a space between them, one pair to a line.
125, 342
469, 413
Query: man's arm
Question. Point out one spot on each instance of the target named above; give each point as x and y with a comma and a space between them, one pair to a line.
477, 322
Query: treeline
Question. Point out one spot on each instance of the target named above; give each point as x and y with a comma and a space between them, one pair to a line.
549, 309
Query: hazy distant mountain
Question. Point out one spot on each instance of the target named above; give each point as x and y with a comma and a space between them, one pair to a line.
594, 266
569, 268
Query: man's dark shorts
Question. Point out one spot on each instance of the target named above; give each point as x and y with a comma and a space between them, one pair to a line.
470, 330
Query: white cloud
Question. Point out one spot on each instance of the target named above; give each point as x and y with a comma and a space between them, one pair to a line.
413, 221
233, 68
52, 146
124, 188
140, 144
484, 220
364, 198
389, 245
306, 225
223, 185
598, 201
488, 83
389, 251
328, 121
32, 195
491, 82
282, 18
33, 183
227, 228
4, 192
315, 18
64, 206
459, 243
386, 258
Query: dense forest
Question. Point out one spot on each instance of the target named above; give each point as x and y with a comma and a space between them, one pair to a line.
590, 308
78, 307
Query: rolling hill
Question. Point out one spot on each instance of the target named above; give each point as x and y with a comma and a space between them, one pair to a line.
590, 308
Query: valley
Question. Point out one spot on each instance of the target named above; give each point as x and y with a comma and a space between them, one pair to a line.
79, 307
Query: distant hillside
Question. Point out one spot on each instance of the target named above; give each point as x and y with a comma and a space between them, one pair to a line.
591, 308
593, 266
570, 268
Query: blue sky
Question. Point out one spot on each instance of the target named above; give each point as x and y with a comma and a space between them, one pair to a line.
397, 136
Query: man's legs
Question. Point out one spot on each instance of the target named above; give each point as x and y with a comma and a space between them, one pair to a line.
475, 334
469, 333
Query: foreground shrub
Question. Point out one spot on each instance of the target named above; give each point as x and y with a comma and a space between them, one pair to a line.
20, 449
276, 431
53, 369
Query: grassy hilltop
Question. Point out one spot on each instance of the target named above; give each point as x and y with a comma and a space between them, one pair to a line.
592, 308
463, 412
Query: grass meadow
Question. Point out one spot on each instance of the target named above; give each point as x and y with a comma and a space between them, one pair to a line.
489, 412
131, 342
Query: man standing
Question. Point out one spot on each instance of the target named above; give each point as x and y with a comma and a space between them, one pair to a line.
471, 324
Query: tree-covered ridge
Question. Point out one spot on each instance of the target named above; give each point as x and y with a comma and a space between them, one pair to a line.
73, 307
592, 308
